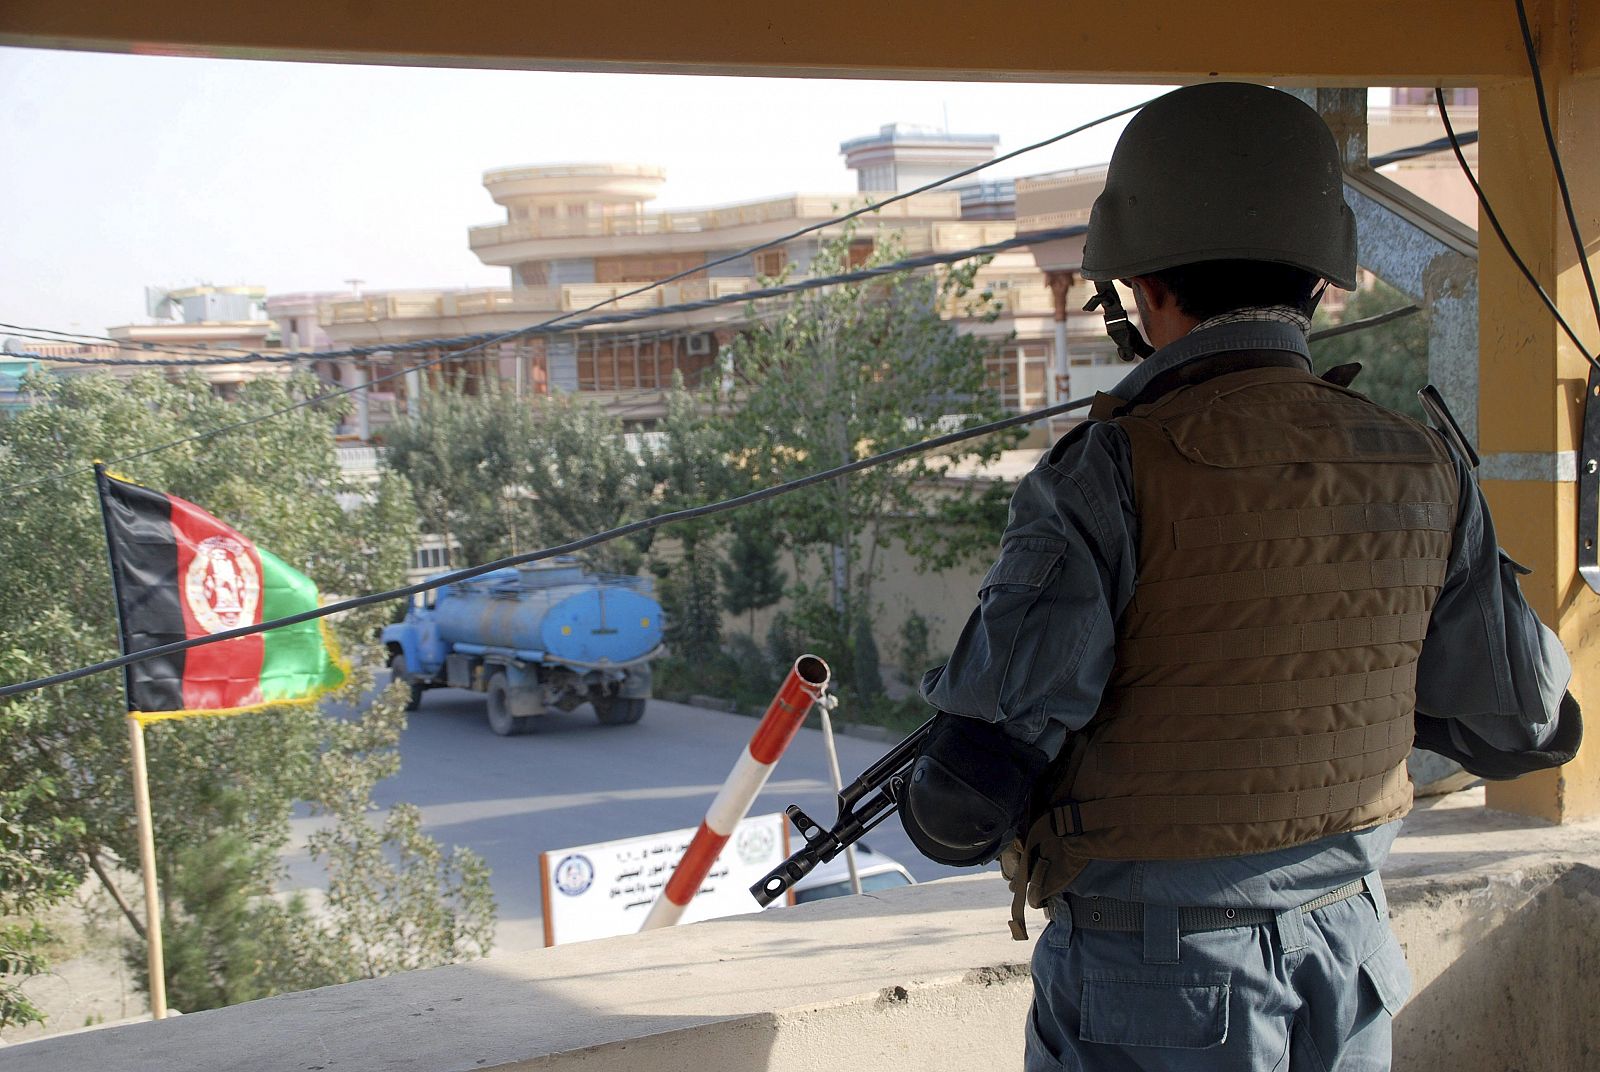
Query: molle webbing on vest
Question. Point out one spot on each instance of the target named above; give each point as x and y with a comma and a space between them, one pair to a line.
1263, 641
1313, 521
1115, 757
1293, 538
1290, 581
1378, 793
1152, 700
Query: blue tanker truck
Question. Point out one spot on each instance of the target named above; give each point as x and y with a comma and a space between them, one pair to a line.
549, 635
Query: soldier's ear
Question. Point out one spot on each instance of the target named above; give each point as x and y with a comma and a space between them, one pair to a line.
1150, 294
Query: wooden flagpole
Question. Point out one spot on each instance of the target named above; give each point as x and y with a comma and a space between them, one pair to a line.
147, 867
141, 786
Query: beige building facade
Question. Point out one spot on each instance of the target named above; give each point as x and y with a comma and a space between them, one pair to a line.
577, 235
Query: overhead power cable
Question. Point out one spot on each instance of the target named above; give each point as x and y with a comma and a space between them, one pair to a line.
715, 262
571, 547
1494, 222
551, 327
775, 291
184, 356
56, 335
1362, 325
518, 332
632, 528
1427, 148
1555, 157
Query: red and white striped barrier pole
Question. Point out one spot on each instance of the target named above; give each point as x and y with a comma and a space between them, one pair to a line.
805, 685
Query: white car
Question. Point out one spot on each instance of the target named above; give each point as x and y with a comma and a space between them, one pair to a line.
832, 879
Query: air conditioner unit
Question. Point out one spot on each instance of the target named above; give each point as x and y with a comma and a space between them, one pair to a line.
698, 345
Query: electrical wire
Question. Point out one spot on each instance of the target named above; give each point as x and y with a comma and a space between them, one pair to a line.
1555, 156
727, 258
547, 327
571, 547
644, 525
1427, 148
1363, 324
56, 335
182, 357
1500, 232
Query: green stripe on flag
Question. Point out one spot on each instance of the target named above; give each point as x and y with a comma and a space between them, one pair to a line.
299, 661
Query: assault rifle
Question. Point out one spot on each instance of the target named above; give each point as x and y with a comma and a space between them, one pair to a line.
863, 804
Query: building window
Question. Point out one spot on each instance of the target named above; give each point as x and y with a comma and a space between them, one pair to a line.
771, 262
631, 362
1017, 374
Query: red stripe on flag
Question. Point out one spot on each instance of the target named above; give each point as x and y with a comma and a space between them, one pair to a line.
217, 589
695, 865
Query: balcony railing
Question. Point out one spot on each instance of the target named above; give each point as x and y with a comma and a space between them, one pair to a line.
793, 207
566, 298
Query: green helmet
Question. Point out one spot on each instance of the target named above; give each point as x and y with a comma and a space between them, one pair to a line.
1223, 171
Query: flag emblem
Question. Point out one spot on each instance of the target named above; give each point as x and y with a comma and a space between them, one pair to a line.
222, 585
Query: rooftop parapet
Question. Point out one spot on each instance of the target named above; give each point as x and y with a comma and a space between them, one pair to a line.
1495, 911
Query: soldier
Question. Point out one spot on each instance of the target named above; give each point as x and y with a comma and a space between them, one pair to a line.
1223, 611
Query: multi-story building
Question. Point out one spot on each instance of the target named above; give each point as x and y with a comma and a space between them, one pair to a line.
204, 321
580, 234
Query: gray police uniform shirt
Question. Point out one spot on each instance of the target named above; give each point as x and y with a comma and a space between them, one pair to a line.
1037, 660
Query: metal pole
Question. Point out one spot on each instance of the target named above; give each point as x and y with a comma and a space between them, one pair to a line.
806, 684
825, 706
147, 866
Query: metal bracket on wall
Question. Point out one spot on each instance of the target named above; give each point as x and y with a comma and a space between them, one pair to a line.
1589, 484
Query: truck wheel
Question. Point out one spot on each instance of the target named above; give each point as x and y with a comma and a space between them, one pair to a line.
617, 711
397, 672
501, 720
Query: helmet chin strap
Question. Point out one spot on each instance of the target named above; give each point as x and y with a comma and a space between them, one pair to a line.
1130, 344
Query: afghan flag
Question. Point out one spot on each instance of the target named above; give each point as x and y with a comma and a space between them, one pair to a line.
179, 573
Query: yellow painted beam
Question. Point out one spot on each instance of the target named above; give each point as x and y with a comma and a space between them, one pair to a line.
1532, 379
1359, 42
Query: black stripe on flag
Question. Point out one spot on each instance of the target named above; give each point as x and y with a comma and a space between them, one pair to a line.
144, 569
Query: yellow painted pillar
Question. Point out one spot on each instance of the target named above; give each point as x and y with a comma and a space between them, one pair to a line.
1532, 382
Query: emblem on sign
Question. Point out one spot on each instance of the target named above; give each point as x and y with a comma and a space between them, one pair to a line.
573, 874
222, 586
754, 843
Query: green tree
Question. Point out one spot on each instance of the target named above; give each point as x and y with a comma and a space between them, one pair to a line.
688, 467
751, 579
848, 371
222, 788
1393, 356
502, 474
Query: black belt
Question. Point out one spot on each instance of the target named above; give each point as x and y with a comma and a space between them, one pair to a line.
1108, 914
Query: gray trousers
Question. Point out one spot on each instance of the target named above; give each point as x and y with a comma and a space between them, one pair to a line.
1309, 992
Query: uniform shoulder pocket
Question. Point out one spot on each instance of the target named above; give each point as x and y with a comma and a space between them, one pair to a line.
1174, 1009
1023, 564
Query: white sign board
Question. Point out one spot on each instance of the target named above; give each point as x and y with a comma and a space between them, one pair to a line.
606, 889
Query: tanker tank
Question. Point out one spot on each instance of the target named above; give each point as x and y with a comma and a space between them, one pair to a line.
549, 635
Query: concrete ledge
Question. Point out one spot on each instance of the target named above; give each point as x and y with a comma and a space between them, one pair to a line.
777, 990
1497, 913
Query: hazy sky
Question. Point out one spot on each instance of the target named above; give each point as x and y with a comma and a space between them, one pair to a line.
122, 171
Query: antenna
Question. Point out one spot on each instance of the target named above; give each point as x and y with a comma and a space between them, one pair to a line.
355, 285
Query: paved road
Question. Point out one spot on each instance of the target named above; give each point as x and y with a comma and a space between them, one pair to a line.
573, 781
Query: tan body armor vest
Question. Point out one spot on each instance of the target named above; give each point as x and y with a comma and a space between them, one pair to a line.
1293, 538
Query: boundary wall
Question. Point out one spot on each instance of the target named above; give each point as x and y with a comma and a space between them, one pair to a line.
1496, 912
